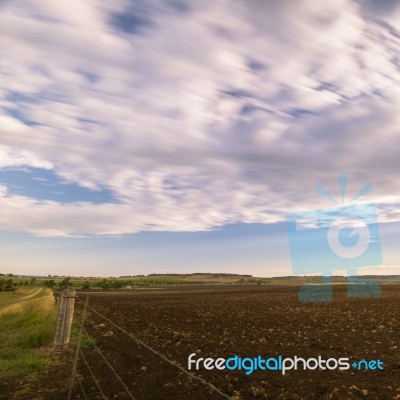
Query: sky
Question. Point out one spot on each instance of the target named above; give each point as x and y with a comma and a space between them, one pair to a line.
175, 136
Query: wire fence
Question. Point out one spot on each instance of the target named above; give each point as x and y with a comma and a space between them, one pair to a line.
92, 375
80, 383
141, 343
109, 365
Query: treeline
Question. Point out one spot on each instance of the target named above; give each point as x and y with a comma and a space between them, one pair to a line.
106, 284
213, 275
9, 285
130, 284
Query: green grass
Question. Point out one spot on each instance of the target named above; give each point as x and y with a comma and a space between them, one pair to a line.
86, 341
26, 329
5, 297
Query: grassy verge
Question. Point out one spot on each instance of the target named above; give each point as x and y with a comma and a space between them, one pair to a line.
86, 340
26, 329
5, 297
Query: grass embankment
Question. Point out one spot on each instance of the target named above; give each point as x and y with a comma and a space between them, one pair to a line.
6, 297
26, 328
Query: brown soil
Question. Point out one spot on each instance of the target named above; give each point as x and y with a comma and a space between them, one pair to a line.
223, 321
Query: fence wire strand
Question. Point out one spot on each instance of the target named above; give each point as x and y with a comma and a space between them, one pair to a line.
110, 366
80, 383
91, 373
175, 364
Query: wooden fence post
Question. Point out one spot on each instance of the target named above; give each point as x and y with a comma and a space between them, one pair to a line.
60, 318
78, 349
64, 318
69, 315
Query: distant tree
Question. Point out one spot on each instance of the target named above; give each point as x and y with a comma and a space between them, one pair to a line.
105, 284
7, 285
49, 283
65, 283
33, 281
86, 285
118, 284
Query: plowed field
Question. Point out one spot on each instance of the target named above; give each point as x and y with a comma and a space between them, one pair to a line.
247, 321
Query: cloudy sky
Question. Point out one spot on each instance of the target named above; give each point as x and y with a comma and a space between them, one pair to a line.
142, 136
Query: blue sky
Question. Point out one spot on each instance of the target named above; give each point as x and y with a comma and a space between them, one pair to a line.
175, 136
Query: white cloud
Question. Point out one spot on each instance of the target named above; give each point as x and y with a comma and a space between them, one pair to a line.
11, 157
216, 113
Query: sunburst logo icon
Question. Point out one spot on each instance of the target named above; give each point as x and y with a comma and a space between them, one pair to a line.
344, 237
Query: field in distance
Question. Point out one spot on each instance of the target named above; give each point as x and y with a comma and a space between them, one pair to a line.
157, 280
